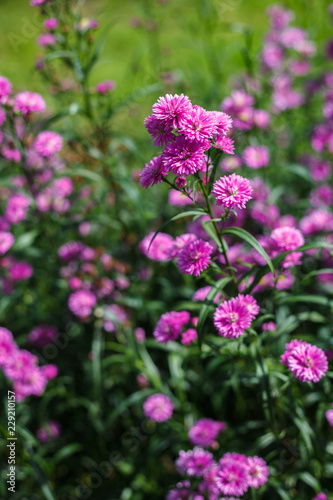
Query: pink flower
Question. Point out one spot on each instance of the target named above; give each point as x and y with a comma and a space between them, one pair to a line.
36, 3
189, 336
201, 294
183, 157
105, 87
158, 407
256, 156
5, 88
307, 362
250, 303
7, 346
205, 431
29, 102
287, 238
195, 257
140, 335
81, 303
51, 23
261, 118
258, 471
225, 144
269, 327
232, 191
321, 196
170, 325
6, 241
198, 124
47, 143
194, 462
11, 153
232, 478
272, 55
50, 430
46, 40
179, 243
17, 207
159, 248
329, 417
152, 172
20, 271
231, 163
279, 17
160, 130
232, 318
43, 335
172, 109
321, 496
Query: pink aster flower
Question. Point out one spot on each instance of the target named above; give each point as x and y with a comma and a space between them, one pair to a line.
178, 199
256, 156
81, 303
232, 191
70, 251
198, 124
46, 40
307, 362
170, 325
29, 102
270, 326
329, 417
152, 172
232, 478
17, 207
322, 196
261, 118
279, 17
158, 250
232, 318
105, 87
195, 257
287, 238
47, 143
225, 144
6, 241
50, 430
321, 496
202, 293
43, 335
250, 303
172, 109
189, 336
272, 55
158, 407
160, 130
179, 243
10, 153
37, 3
183, 157
7, 346
194, 462
258, 471
223, 122
51, 23
231, 163
205, 431
20, 271
5, 88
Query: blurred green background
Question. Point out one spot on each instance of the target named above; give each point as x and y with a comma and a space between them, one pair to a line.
199, 41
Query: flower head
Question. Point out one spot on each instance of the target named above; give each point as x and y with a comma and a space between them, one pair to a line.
157, 248
172, 108
232, 318
232, 191
29, 102
194, 462
158, 407
232, 478
306, 361
258, 471
6, 241
81, 303
205, 431
256, 156
198, 124
184, 157
47, 143
195, 257
152, 172
170, 325
287, 238
105, 87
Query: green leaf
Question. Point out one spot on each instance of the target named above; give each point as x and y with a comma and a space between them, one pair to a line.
179, 215
88, 174
248, 238
66, 452
25, 240
135, 398
307, 478
314, 299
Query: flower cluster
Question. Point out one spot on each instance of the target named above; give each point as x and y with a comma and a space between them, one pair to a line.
21, 367
172, 324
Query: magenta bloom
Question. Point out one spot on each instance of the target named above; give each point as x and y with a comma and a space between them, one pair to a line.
205, 431
195, 257
179, 243
20, 271
201, 294
287, 238
256, 156
189, 336
105, 87
194, 462
29, 102
306, 361
232, 318
198, 124
43, 335
172, 109
183, 157
232, 478
70, 251
46, 40
258, 471
158, 407
160, 130
81, 303
5, 88
269, 327
232, 191
17, 207
36, 3
158, 250
49, 431
7, 346
51, 23
170, 325
47, 143
321, 496
329, 417
225, 144
152, 172
250, 303
6, 241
